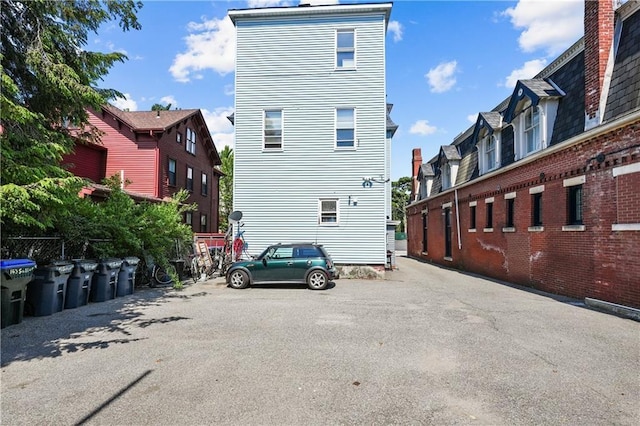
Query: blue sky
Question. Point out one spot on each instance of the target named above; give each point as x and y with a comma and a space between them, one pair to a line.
445, 61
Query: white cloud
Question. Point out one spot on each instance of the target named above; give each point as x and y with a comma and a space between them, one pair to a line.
267, 3
548, 25
528, 70
126, 104
472, 118
169, 100
441, 78
422, 127
322, 2
211, 45
396, 29
219, 126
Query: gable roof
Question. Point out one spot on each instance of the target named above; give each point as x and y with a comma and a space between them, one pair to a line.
450, 152
426, 170
534, 89
162, 121
150, 120
491, 121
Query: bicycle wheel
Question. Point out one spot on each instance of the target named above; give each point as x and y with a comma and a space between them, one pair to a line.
161, 276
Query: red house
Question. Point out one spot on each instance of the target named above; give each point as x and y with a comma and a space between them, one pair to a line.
543, 190
155, 153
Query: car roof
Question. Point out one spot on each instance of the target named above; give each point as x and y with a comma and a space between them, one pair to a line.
296, 244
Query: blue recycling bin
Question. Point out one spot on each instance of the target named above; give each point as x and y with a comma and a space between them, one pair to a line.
79, 283
105, 280
127, 276
14, 277
47, 291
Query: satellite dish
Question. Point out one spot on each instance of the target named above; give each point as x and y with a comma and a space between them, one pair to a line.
235, 216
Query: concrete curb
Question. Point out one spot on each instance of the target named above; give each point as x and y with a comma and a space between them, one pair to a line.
624, 311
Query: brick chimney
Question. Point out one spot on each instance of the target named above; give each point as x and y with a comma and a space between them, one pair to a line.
416, 162
598, 38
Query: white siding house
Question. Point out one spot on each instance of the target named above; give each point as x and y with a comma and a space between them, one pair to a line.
311, 152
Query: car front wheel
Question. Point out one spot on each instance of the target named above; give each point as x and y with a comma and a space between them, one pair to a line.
317, 280
238, 279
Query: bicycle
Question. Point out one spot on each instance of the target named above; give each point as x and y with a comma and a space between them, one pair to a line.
233, 249
151, 274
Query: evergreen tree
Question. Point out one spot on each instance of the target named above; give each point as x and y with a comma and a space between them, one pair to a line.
49, 78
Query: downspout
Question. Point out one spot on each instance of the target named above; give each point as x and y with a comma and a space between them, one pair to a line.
458, 219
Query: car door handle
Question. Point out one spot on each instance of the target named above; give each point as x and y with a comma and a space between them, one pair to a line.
289, 263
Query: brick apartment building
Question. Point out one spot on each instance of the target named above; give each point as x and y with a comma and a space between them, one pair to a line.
543, 190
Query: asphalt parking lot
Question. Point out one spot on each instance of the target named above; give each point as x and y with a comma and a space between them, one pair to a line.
425, 346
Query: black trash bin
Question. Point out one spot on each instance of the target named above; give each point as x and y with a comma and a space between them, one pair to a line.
79, 284
105, 280
15, 275
179, 265
127, 276
47, 291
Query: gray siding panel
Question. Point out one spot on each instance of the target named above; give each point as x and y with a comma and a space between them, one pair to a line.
290, 65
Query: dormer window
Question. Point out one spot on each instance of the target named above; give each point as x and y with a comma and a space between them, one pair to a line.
449, 158
446, 176
531, 129
532, 110
487, 136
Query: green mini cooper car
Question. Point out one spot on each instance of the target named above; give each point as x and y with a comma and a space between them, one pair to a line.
306, 263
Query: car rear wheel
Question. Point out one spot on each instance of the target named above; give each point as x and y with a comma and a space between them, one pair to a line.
317, 280
238, 279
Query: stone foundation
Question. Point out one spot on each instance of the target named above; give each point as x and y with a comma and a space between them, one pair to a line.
366, 272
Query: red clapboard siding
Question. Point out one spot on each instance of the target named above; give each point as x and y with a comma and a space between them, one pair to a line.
87, 161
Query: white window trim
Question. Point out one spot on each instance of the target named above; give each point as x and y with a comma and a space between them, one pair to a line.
264, 122
190, 145
620, 171
509, 195
519, 135
355, 130
320, 222
625, 170
496, 152
447, 205
355, 50
445, 172
473, 203
536, 189
575, 181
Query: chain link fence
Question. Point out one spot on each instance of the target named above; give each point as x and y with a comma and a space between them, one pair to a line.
43, 250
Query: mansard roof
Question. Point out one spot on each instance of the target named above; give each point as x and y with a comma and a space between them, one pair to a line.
624, 91
534, 89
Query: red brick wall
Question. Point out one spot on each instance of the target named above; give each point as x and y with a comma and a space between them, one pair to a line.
596, 262
599, 29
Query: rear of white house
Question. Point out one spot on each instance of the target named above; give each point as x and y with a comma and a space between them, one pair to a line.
312, 151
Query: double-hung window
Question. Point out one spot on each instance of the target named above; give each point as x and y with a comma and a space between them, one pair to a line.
488, 203
328, 211
531, 129
203, 223
536, 209
272, 130
490, 152
446, 176
172, 172
191, 141
345, 127
346, 49
178, 137
205, 185
189, 178
472, 215
188, 218
575, 205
